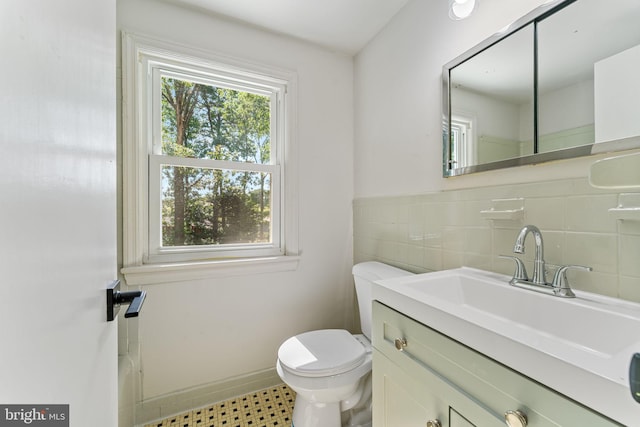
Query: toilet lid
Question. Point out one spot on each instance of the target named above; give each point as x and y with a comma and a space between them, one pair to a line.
321, 353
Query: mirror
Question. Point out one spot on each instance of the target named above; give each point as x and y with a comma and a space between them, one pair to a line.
560, 82
491, 103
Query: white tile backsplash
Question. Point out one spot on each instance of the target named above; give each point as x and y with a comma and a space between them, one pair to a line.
546, 213
591, 212
433, 259
478, 240
596, 250
453, 238
629, 261
445, 230
629, 227
629, 288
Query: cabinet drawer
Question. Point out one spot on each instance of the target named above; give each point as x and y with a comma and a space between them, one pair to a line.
490, 384
406, 398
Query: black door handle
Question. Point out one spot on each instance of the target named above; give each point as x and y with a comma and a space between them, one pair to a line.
115, 298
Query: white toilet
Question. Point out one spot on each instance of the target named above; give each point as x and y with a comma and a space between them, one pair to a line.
330, 369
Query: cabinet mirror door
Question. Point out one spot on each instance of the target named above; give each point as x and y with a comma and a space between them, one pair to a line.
492, 103
560, 82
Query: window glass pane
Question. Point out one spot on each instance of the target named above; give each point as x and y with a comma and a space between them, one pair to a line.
214, 206
210, 122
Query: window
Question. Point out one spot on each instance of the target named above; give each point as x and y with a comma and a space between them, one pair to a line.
462, 142
204, 149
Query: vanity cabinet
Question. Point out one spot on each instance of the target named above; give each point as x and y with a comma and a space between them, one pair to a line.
424, 378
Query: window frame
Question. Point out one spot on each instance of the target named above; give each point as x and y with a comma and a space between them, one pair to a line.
144, 60
464, 126
158, 253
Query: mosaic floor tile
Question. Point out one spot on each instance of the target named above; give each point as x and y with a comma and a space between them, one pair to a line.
270, 407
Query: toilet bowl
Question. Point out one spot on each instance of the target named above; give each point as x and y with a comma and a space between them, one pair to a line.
330, 369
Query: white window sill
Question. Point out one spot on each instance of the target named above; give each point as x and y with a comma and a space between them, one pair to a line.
151, 274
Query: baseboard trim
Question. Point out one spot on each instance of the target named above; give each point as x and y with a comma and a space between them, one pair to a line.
196, 397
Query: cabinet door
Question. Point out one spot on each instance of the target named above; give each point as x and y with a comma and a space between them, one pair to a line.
408, 398
477, 388
457, 420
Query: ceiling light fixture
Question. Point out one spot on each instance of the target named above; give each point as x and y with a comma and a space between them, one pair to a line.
460, 9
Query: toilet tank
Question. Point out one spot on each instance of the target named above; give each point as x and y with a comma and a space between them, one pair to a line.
364, 274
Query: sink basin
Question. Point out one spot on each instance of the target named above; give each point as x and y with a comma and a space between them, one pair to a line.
580, 346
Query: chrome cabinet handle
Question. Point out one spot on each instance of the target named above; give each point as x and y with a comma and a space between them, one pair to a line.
434, 423
515, 418
400, 343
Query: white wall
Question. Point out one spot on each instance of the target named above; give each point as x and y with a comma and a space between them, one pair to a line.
566, 108
495, 117
201, 332
617, 90
398, 143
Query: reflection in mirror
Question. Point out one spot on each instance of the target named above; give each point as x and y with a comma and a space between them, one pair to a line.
492, 103
571, 44
560, 82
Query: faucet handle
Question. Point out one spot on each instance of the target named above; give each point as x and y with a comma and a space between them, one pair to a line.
560, 282
520, 272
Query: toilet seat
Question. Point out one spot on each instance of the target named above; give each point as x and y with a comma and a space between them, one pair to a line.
321, 353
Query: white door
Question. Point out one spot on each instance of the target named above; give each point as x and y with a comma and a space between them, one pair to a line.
58, 207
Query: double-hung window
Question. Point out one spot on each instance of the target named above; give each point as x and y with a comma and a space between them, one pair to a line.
204, 149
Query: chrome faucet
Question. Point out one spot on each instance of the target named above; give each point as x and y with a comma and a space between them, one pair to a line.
560, 285
539, 273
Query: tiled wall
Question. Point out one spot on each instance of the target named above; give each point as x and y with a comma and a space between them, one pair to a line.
446, 230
